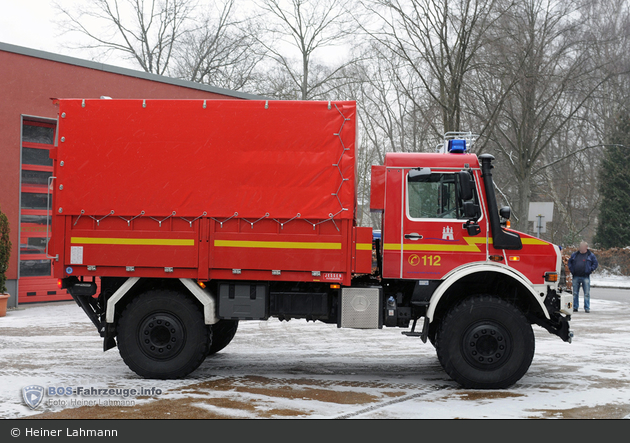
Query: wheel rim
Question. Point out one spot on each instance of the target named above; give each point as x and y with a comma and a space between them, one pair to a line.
161, 336
486, 345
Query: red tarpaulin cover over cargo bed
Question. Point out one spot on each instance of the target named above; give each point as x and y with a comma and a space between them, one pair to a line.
220, 157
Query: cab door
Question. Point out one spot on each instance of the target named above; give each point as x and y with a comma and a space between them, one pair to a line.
434, 237
392, 223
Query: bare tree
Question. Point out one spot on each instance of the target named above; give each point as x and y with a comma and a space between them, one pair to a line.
294, 31
145, 31
542, 80
396, 114
438, 41
222, 50
545, 56
608, 27
574, 179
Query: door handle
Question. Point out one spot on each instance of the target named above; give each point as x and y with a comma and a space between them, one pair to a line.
413, 236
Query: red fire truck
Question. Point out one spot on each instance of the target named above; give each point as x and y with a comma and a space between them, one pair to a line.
173, 220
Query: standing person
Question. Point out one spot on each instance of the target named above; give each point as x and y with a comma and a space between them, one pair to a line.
581, 264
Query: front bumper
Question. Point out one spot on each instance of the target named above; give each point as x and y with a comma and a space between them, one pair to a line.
559, 304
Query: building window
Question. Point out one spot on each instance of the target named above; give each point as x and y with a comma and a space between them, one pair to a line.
35, 156
33, 245
38, 137
35, 177
34, 268
38, 132
34, 200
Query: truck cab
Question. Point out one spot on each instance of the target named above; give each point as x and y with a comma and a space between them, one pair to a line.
445, 246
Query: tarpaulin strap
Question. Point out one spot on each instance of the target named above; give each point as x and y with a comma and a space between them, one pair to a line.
77, 220
190, 222
332, 219
132, 218
289, 220
254, 222
163, 220
221, 222
98, 220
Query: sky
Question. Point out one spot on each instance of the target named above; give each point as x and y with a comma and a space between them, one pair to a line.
28, 23
32, 24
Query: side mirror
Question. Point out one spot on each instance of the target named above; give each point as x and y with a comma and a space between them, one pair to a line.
419, 174
471, 210
505, 212
466, 186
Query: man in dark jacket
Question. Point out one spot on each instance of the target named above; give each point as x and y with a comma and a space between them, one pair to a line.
581, 264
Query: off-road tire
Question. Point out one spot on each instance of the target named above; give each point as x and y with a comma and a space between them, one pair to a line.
161, 334
485, 342
222, 334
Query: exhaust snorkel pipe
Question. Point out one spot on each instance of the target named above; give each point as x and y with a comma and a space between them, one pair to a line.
500, 239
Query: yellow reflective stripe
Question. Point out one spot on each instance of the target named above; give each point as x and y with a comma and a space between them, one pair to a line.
443, 248
134, 241
470, 247
275, 244
534, 241
364, 246
391, 246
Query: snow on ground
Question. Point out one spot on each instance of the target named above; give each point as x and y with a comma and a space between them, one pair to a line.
607, 280
313, 370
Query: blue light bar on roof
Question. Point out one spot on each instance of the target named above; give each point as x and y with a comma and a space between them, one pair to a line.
457, 146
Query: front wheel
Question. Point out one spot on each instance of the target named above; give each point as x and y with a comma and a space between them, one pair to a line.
485, 342
161, 334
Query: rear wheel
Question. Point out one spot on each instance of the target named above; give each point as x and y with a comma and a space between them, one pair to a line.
223, 332
485, 342
161, 334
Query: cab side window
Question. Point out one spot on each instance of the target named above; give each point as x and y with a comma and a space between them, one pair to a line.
434, 196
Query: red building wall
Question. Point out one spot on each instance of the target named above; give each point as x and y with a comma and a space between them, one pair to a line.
28, 81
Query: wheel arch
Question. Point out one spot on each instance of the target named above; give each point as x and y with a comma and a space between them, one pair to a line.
134, 286
484, 278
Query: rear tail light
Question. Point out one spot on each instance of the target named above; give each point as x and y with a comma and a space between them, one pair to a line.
60, 283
